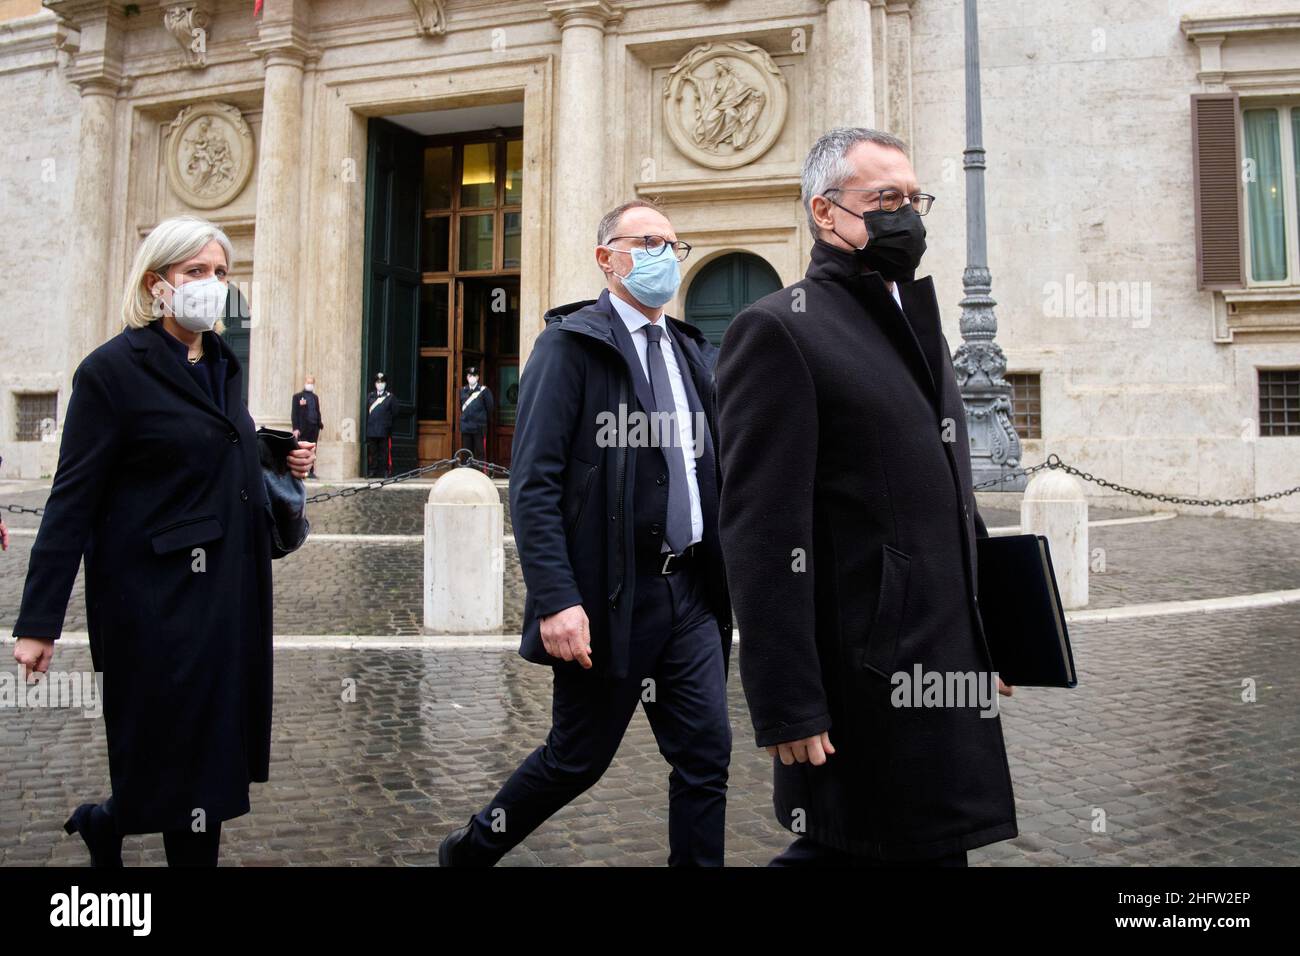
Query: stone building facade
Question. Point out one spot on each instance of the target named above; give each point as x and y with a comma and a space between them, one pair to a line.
409, 184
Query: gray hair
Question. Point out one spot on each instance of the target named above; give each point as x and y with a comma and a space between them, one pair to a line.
827, 166
610, 221
171, 241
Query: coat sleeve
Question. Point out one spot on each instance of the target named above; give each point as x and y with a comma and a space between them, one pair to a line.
91, 436
295, 416
550, 401
767, 425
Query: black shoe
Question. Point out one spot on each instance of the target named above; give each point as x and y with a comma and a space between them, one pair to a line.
447, 849
96, 830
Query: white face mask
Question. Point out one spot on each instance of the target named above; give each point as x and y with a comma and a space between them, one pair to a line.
379, 387
472, 379
197, 305
309, 387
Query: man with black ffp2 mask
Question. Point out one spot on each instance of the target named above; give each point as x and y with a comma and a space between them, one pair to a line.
848, 526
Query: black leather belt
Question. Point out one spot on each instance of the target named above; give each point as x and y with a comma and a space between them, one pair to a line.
666, 562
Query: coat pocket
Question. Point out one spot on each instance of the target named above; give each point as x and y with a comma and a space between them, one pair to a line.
186, 533
881, 649
577, 491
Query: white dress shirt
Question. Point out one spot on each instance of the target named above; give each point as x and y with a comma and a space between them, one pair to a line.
635, 322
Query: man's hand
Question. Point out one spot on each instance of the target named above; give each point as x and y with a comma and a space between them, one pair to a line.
567, 635
34, 653
302, 459
4, 536
1004, 689
812, 750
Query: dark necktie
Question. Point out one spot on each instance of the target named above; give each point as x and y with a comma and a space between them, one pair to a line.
678, 532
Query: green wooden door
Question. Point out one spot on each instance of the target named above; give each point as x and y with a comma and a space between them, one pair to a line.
237, 320
724, 287
391, 294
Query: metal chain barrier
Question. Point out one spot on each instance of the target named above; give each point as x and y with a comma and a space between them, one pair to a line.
1054, 462
463, 458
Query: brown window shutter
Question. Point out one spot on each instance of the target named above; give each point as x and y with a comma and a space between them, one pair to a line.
1216, 178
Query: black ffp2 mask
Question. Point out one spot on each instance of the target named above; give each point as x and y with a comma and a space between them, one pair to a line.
895, 242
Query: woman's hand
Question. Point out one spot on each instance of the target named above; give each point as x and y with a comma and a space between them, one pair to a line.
34, 653
302, 459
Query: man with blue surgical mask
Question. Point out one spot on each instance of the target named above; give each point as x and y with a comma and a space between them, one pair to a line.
614, 499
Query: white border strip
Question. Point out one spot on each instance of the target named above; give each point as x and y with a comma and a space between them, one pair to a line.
1239, 602
1006, 529
1103, 615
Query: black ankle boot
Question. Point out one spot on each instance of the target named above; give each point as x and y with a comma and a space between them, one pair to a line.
96, 829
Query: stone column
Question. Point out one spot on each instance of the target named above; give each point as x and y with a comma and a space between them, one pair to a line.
92, 296
277, 249
849, 68
579, 145
897, 53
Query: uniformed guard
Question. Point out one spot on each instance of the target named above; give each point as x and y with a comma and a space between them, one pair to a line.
476, 409
381, 406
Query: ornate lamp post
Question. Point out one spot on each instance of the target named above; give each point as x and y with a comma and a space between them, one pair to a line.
979, 362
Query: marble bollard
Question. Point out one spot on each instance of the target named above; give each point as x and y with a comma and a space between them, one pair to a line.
1055, 506
464, 560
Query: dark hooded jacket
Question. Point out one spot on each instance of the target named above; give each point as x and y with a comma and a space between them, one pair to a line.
573, 491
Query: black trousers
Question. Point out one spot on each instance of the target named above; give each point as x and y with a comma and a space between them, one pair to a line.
476, 442
183, 847
806, 852
378, 460
677, 673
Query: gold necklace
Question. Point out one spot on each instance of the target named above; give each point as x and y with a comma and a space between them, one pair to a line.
194, 360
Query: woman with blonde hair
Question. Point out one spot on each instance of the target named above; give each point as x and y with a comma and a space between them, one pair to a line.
159, 486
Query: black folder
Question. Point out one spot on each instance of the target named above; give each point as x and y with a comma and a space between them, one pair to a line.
1021, 609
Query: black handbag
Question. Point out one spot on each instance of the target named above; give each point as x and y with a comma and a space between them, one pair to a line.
285, 494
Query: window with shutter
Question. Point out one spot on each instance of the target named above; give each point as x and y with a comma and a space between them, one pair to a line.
1216, 159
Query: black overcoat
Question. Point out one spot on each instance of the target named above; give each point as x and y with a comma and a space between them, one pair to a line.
163, 496
849, 524
571, 489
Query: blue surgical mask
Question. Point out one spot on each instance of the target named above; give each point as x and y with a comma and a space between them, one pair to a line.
653, 279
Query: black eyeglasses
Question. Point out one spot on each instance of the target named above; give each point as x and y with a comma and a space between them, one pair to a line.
655, 246
891, 200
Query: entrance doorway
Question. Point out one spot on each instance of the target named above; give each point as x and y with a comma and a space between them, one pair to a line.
445, 224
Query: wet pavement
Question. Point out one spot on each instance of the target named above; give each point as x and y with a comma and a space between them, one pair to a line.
1156, 741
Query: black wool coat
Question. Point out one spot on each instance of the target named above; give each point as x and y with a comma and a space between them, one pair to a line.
163, 496
848, 523
571, 490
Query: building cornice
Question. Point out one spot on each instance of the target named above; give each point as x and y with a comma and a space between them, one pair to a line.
583, 13
1196, 28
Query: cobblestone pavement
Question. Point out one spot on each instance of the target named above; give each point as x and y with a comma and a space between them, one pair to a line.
342, 587
1155, 736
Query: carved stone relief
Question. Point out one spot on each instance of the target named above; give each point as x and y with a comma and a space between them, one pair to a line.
725, 104
430, 16
209, 154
